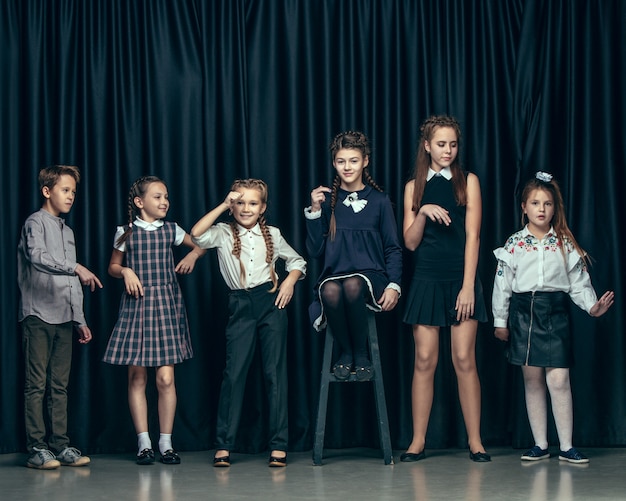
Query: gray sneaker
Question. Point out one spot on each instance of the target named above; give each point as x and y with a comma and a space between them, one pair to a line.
42, 459
71, 456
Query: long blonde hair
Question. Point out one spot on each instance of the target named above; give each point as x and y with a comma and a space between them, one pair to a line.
261, 187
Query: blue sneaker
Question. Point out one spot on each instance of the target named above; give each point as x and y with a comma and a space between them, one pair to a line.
573, 456
535, 454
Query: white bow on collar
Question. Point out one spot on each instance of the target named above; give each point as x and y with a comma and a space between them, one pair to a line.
352, 200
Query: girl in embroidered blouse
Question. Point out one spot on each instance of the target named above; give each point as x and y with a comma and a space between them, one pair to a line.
353, 227
152, 329
538, 268
442, 219
247, 250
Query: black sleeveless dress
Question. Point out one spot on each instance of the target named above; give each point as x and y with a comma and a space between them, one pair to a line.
439, 263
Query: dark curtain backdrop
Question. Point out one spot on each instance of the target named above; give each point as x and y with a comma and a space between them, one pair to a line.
203, 92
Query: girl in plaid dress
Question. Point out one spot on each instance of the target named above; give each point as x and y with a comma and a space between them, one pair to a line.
152, 329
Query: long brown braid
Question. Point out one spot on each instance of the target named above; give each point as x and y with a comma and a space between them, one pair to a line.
559, 221
352, 140
261, 187
422, 162
138, 189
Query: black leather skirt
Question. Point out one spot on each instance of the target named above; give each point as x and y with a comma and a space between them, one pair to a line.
539, 330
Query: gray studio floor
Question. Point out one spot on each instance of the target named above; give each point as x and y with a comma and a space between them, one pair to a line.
346, 475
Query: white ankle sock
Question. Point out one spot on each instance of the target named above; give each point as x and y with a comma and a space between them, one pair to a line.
165, 442
143, 441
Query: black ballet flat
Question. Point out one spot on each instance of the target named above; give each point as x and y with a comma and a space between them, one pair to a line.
276, 462
342, 371
170, 456
411, 457
479, 457
221, 462
146, 456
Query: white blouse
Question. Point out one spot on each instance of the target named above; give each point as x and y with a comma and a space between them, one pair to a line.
253, 253
527, 264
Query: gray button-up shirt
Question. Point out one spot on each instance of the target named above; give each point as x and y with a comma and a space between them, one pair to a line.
46, 260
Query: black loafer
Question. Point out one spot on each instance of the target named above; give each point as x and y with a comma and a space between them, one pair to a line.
221, 462
411, 457
479, 457
276, 462
170, 456
146, 456
342, 371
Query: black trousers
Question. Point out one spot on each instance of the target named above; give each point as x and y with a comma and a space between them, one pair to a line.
253, 318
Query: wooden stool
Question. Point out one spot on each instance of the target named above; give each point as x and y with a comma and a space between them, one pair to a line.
377, 378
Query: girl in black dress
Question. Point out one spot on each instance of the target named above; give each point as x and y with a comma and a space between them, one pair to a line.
442, 217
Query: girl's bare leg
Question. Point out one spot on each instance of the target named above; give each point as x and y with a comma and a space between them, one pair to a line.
463, 345
426, 340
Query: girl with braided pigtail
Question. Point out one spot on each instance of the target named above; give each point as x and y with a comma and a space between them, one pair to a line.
355, 232
247, 250
152, 329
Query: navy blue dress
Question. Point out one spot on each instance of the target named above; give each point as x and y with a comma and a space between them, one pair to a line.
366, 244
439, 263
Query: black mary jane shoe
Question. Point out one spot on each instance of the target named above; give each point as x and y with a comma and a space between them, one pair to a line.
479, 457
342, 371
412, 457
146, 456
364, 373
221, 462
277, 462
170, 456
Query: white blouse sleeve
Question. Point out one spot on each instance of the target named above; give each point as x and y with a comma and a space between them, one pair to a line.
581, 291
502, 287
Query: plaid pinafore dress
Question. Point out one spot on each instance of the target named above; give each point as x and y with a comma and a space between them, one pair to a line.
151, 331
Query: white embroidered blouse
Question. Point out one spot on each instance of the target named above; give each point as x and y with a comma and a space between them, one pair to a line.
527, 264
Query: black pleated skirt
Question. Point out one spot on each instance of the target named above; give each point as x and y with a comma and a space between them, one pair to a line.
431, 302
539, 330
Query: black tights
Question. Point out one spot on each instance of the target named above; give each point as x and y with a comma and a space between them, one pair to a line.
344, 306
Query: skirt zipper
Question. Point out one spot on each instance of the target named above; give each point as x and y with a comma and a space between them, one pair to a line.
530, 326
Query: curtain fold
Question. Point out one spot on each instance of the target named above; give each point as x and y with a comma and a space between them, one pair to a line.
201, 93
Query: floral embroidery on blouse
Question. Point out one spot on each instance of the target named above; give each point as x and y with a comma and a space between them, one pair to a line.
529, 243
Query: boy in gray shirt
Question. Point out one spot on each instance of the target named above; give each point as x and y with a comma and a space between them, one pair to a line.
51, 305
